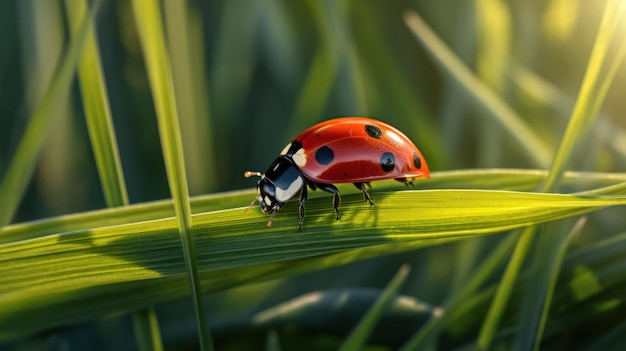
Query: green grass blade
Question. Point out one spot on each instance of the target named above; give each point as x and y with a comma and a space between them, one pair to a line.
357, 338
551, 249
147, 331
427, 334
95, 272
545, 93
186, 42
104, 145
505, 288
41, 125
97, 111
149, 23
494, 179
486, 99
584, 112
592, 91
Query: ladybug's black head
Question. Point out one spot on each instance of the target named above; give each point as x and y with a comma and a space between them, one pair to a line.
281, 182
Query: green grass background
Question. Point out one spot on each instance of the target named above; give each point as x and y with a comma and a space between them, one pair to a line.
102, 122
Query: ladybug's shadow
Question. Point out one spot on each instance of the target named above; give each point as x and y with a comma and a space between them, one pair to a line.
160, 251
354, 210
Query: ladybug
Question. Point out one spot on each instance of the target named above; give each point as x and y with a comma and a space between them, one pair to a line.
354, 150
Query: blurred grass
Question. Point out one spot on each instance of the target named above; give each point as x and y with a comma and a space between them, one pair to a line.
42, 125
357, 339
590, 98
247, 77
152, 38
104, 144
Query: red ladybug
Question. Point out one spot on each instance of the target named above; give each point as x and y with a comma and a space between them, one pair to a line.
343, 150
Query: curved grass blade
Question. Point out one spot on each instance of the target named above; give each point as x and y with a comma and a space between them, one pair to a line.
74, 276
97, 111
592, 92
427, 334
551, 250
486, 99
357, 338
187, 51
104, 145
147, 332
545, 93
334, 310
494, 179
584, 112
149, 23
20, 170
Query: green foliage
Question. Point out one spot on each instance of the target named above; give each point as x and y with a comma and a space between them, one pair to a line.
183, 103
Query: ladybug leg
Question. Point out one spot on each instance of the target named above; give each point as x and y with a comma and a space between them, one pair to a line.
336, 199
303, 197
406, 181
366, 196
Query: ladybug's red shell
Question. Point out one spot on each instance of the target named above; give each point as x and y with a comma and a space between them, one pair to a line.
355, 150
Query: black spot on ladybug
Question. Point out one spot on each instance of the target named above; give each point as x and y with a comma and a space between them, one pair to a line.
324, 155
373, 131
387, 162
417, 162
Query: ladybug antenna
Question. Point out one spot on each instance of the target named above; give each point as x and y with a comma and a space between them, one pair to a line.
250, 206
269, 223
249, 174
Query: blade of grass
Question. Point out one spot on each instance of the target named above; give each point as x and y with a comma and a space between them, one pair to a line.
545, 272
545, 93
427, 334
586, 295
104, 145
494, 179
73, 276
97, 111
496, 109
583, 114
592, 92
147, 332
357, 338
41, 125
149, 21
187, 50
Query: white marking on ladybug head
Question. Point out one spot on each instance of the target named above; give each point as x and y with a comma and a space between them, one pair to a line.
284, 152
284, 195
267, 201
299, 158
